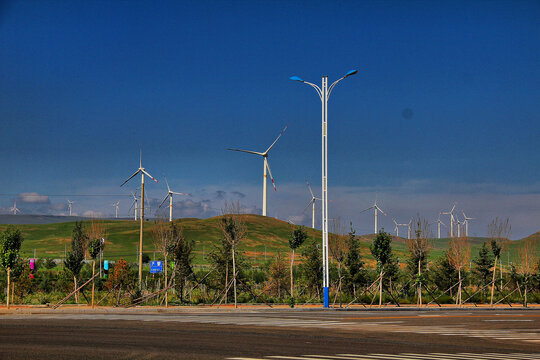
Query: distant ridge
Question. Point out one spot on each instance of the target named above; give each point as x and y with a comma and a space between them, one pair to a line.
23, 219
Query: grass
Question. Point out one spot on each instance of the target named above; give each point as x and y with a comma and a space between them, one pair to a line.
265, 235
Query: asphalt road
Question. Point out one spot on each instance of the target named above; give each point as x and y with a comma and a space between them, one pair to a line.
272, 334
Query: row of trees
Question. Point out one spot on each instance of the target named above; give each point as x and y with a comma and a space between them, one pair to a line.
231, 277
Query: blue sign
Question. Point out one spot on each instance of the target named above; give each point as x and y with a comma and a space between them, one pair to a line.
156, 267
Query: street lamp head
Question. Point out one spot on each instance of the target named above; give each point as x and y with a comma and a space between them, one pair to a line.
352, 72
296, 78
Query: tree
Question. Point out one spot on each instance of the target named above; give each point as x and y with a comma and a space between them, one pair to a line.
312, 267
444, 275
96, 242
458, 257
419, 248
381, 250
483, 264
338, 250
11, 240
528, 255
297, 238
182, 251
499, 234
74, 259
277, 283
355, 275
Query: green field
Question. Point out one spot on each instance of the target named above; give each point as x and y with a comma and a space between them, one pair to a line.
265, 235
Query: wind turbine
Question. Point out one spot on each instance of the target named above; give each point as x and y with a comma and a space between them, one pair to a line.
409, 229
70, 203
439, 222
396, 229
135, 202
14, 209
170, 196
143, 172
377, 208
115, 205
452, 219
312, 203
466, 222
266, 166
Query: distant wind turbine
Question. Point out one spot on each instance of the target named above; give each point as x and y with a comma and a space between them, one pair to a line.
170, 196
439, 222
135, 202
143, 172
70, 203
452, 219
396, 228
266, 166
376, 208
467, 223
14, 209
312, 203
115, 205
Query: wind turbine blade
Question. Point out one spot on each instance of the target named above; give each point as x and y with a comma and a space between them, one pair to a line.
311, 192
453, 207
247, 151
271, 177
369, 208
168, 188
378, 208
177, 193
307, 206
150, 176
131, 207
281, 133
136, 172
164, 200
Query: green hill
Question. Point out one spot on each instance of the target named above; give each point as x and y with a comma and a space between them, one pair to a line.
265, 235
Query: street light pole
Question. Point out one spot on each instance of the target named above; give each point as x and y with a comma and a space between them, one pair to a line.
324, 94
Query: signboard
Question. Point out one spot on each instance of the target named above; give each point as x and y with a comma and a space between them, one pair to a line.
156, 267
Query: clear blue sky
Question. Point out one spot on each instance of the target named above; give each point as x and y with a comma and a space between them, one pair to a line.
445, 106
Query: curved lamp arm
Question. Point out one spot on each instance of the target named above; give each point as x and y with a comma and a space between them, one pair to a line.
318, 89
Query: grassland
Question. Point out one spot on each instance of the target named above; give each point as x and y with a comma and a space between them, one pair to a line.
265, 236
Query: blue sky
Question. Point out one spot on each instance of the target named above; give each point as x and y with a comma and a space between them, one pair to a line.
445, 106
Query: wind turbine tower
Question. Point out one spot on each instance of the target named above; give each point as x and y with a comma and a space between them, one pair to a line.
170, 196
312, 203
396, 229
439, 222
265, 167
466, 222
143, 172
136, 203
376, 208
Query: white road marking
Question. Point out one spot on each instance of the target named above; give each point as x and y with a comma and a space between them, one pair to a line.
509, 320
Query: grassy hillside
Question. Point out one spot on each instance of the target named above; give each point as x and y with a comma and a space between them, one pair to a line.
264, 235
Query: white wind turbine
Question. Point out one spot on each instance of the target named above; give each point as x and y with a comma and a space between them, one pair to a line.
14, 209
376, 208
170, 196
115, 205
409, 229
439, 222
136, 203
143, 172
266, 166
452, 219
396, 229
466, 222
312, 203
70, 203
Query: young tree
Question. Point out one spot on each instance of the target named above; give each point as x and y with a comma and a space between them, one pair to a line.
164, 242
338, 249
499, 234
353, 262
381, 250
96, 242
419, 248
297, 238
74, 259
182, 251
444, 275
483, 264
528, 254
11, 240
312, 267
458, 257
277, 283
233, 229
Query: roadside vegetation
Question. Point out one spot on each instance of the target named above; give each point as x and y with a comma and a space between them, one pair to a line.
361, 272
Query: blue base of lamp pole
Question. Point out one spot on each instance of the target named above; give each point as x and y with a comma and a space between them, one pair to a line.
326, 297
